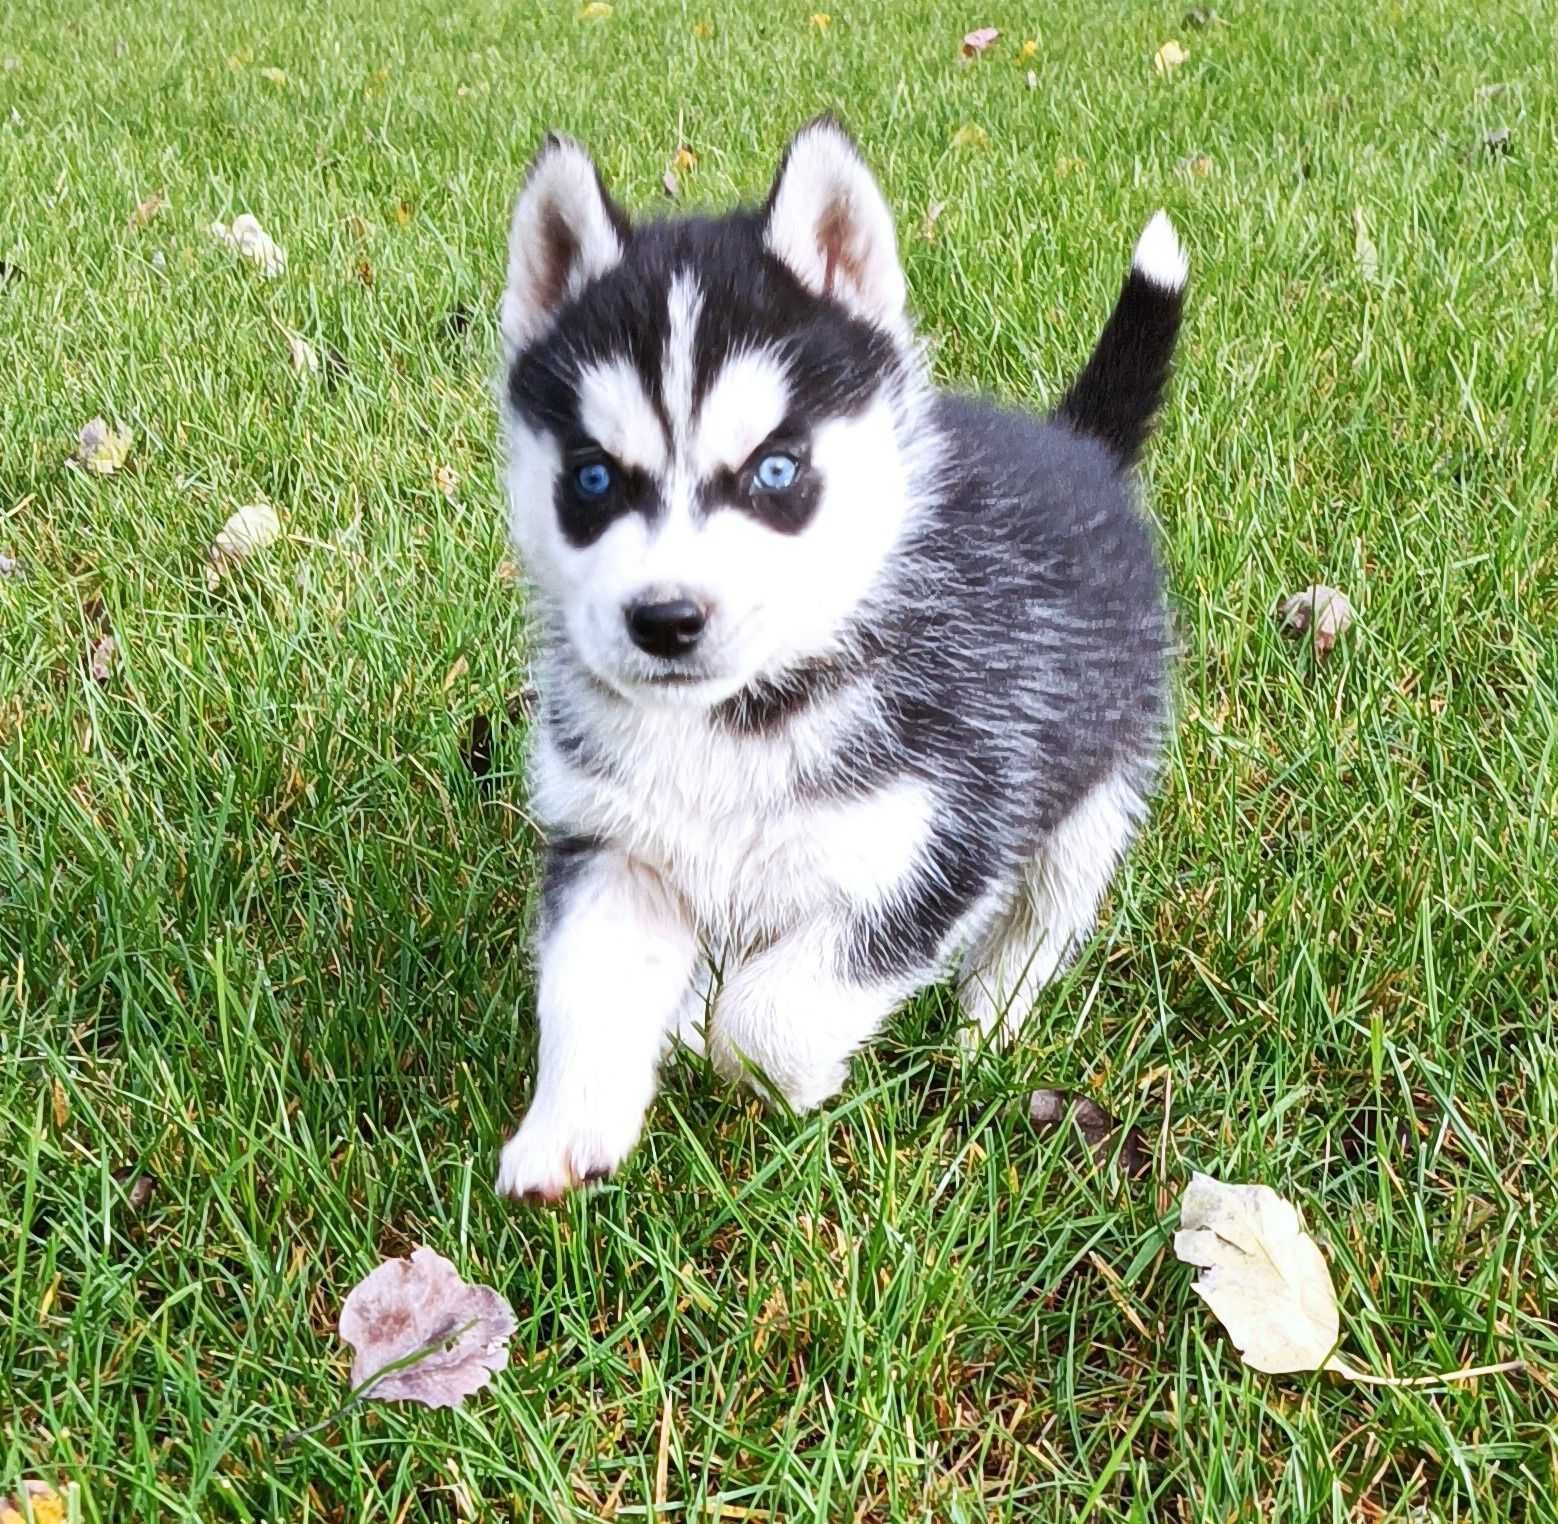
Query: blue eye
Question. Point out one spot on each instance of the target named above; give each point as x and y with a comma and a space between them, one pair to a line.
593, 480
776, 472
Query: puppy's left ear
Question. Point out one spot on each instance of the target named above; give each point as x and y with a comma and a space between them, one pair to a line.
828, 221
566, 231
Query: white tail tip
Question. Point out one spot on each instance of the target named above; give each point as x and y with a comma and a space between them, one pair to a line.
1159, 255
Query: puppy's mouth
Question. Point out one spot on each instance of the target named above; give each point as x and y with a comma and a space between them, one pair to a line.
677, 687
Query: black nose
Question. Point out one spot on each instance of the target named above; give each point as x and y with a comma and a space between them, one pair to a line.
666, 629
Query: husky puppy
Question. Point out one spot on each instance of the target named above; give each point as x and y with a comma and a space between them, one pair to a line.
847, 685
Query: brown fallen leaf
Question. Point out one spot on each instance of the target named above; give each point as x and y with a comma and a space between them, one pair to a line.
446, 479
102, 450
1198, 165
975, 42
421, 1334
147, 209
1055, 1108
477, 751
137, 1188
1324, 608
61, 1104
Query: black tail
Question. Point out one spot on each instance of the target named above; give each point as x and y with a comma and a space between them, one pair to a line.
1116, 397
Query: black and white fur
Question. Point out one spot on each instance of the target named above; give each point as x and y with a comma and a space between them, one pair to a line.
923, 690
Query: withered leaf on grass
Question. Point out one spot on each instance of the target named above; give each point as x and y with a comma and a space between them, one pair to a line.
1324, 608
1261, 1274
302, 355
247, 239
445, 1339
1363, 247
38, 1503
137, 1188
1055, 1108
1169, 57
102, 450
249, 529
100, 659
975, 42
147, 209
1268, 1284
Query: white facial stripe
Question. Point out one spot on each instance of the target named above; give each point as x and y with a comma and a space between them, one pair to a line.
748, 401
684, 304
619, 417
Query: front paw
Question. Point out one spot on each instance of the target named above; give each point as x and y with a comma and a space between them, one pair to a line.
557, 1150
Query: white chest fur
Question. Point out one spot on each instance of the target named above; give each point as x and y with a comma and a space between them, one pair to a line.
731, 822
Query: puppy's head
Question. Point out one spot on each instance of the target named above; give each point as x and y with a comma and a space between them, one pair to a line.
703, 419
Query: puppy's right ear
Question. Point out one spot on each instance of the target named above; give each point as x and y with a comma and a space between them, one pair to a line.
566, 231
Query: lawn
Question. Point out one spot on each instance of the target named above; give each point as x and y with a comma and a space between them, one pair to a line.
263, 936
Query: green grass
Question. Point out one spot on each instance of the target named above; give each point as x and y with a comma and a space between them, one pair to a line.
262, 939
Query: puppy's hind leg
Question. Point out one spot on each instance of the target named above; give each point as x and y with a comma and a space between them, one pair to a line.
616, 958
1052, 915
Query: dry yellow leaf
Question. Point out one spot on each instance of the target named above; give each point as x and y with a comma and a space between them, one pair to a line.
1169, 57
702, 30
970, 135
275, 76
61, 1105
1030, 47
44, 1505
821, 20
685, 160
446, 479
147, 209
596, 10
